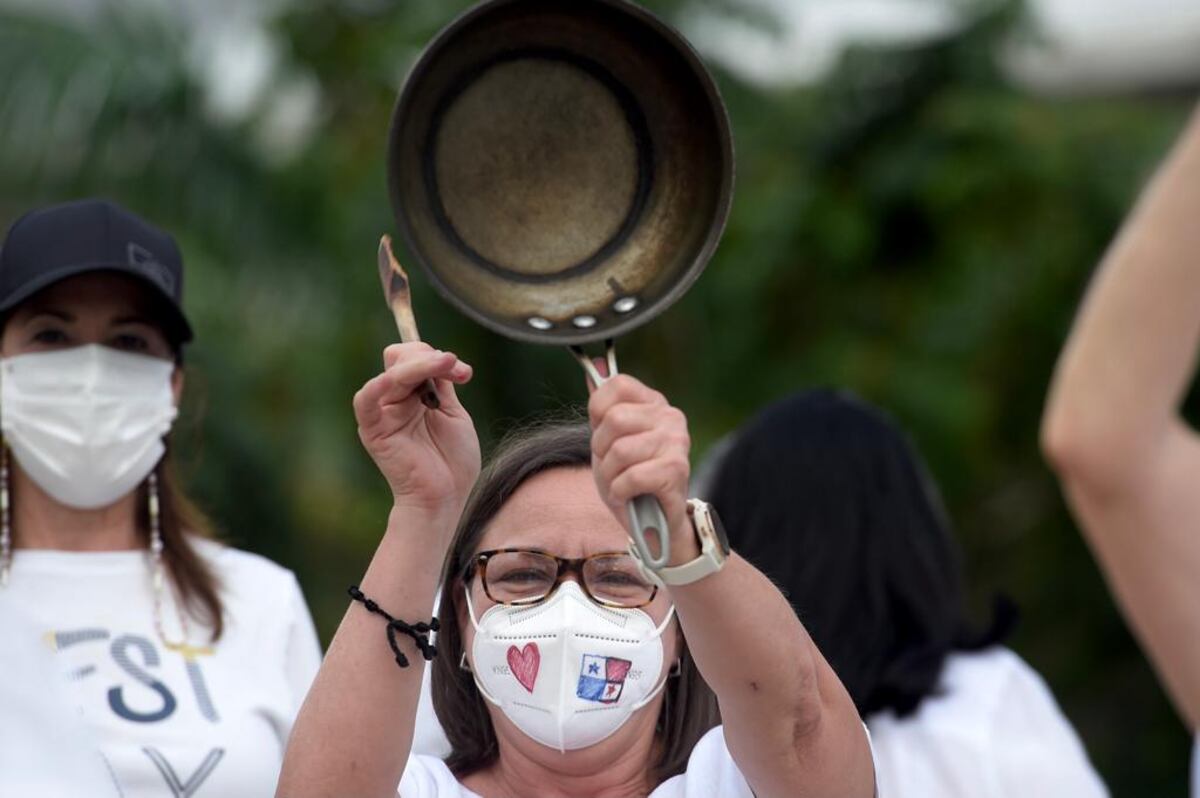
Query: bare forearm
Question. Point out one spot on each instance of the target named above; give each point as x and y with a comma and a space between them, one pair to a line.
788, 721
1149, 555
355, 727
1112, 428
1130, 355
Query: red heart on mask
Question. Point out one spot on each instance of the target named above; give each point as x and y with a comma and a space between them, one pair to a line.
524, 664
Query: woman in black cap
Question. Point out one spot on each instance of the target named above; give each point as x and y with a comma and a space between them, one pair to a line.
825, 494
187, 659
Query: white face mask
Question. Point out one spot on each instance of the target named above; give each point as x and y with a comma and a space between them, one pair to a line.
86, 424
567, 672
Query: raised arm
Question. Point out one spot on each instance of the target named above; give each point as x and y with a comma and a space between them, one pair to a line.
353, 733
789, 723
1130, 466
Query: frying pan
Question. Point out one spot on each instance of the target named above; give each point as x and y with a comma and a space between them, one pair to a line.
562, 172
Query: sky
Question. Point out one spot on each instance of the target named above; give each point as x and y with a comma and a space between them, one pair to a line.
1085, 45
1082, 46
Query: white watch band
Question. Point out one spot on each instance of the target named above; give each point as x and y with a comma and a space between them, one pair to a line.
709, 562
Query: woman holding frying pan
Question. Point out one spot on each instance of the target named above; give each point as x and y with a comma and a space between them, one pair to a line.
562, 668
186, 659
561, 172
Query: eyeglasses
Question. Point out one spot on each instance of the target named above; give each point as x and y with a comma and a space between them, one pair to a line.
523, 576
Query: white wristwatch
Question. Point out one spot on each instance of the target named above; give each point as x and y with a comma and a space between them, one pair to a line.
714, 549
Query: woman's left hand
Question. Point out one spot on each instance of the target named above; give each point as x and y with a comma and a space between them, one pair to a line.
640, 446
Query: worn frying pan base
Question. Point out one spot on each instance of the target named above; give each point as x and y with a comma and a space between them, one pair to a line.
561, 171
539, 166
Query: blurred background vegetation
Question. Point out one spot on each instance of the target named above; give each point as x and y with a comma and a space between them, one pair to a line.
912, 228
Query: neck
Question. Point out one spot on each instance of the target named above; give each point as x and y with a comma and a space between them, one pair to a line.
617, 767
41, 522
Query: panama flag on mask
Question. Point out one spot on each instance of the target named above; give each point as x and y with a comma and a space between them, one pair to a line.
601, 678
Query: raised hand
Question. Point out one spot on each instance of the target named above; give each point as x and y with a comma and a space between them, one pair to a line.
430, 458
640, 446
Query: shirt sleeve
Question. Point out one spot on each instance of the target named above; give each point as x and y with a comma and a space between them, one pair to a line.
428, 736
418, 780
1036, 752
428, 777
711, 773
303, 650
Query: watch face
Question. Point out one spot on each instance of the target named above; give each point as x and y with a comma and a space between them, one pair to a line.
719, 528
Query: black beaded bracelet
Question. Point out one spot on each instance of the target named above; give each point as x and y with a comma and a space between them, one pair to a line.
419, 632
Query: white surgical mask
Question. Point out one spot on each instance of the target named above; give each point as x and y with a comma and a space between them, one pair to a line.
567, 672
87, 423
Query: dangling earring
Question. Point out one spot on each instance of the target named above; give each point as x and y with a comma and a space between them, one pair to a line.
675, 669
158, 568
462, 663
5, 518
156, 544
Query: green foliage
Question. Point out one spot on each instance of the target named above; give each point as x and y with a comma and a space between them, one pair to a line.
914, 230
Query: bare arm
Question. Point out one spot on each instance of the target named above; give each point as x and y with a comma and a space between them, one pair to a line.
1130, 466
355, 729
789, 723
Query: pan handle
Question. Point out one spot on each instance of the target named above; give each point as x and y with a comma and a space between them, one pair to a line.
646, 514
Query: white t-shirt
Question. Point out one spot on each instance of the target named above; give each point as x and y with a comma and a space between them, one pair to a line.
45, 750
428, 736
1196, 769
711, 773
211, 724
994, 731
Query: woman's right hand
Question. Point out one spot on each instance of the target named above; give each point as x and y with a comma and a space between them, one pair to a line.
430, 458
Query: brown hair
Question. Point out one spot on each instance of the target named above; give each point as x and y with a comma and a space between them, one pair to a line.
180, 520
689, 708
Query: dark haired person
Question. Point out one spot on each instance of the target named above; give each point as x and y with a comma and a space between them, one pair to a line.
826, 496
562, 668
187, 660
1128, 460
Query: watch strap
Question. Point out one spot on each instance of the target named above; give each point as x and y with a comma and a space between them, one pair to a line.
709, 562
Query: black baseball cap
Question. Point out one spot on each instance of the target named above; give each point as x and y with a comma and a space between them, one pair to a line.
50, 244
